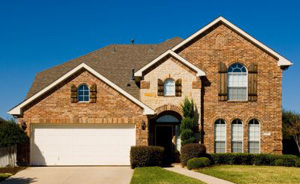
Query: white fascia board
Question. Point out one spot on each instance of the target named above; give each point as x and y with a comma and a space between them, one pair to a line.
281, 60
17, 109
170, 52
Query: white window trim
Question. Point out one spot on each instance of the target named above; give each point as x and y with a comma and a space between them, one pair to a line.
247, 93
215, 135
259, 140
242, 134
169, 79
83, 98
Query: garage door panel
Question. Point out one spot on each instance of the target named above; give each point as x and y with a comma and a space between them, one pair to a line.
82, 145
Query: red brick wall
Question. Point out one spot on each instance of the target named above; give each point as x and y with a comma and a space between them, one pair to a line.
111, 107
221, 44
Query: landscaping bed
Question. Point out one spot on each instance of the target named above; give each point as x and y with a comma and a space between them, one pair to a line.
6, 172
244, 174
157, 175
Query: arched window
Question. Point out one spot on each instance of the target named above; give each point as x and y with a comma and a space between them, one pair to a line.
83, 93
237, 82
169, 87
237, 136
254, 136
220, 136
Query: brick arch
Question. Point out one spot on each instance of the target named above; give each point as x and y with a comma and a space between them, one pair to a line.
168, 108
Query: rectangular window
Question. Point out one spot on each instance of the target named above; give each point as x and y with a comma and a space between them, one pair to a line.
220, 137
237, 138
237, 86
254, 136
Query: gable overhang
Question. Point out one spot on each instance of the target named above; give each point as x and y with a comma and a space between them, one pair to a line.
16, 111
199, 73
282, 62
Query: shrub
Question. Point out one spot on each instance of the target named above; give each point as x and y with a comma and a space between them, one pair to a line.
297, 164
142, 156
188, 122
254, 159
196, 163
193, 150
279, 162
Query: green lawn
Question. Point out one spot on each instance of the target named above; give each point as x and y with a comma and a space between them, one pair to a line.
3, 176
157, 175
241, 174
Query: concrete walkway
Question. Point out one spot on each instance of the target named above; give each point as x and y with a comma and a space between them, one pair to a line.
71, 175
203, 177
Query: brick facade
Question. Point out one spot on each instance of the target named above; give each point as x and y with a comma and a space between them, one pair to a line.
219, 44
222, 44
110, 107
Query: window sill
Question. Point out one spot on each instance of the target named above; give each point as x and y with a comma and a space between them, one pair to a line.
237, 101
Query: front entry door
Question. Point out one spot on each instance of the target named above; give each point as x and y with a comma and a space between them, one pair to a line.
164, 135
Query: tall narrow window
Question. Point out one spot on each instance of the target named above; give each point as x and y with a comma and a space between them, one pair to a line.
169, 87
237, 136
83, 93
254, 136
220, 136
237, 82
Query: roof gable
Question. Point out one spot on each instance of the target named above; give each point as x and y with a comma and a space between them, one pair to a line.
18, 109
199, 72
281, 60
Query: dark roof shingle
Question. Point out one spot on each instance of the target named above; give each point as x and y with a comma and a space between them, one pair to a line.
115, 62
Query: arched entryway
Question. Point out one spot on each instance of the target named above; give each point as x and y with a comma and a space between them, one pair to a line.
165, 132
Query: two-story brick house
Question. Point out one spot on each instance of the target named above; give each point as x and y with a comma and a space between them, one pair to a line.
91, 110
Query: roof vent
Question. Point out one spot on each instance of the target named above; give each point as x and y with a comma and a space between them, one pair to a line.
114, 50
132, 70
132, 41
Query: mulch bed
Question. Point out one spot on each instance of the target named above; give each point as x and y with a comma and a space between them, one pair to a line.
12, 170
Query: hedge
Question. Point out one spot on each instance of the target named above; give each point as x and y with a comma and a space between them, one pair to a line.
195, 163
193, 150
142, 156
254, 159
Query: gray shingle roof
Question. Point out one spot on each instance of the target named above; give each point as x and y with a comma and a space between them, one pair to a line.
115, 62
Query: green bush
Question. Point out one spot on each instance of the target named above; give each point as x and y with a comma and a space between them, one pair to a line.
297, 164
254, 159
142, 156
279, 162
187, 135
196, 163
193, 150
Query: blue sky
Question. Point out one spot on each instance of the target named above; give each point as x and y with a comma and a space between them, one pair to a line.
36, 35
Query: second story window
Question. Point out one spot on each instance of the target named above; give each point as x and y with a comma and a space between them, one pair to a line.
237, 82
83, 93
169, 87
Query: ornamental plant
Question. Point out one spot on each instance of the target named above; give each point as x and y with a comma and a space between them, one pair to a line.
187, 123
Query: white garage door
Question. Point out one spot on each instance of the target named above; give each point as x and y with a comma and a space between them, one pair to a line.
81, 144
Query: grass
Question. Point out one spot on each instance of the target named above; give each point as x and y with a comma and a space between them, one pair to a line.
242, 174
7, 172
157, 175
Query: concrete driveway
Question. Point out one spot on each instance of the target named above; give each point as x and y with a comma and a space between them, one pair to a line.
72, 175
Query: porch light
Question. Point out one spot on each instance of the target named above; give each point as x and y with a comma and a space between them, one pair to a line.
23, 125
143, 125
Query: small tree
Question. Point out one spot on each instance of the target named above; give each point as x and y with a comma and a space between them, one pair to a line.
10, 136
291, 126
187, 123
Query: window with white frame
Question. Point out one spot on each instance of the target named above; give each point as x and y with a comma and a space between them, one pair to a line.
220, 136
237, 82
254, 136
83, 93
169, 87
237, 136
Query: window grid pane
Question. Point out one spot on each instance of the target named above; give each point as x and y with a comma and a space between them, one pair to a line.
220, 136
236, 146
169, 87
237, 82
83, 93
254, 136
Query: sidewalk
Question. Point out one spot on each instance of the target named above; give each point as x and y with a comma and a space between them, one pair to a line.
203, 177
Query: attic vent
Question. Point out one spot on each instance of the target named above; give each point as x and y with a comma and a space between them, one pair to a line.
132, 75
114, 50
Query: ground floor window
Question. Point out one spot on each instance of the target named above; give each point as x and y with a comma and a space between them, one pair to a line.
220, 136
237, 136
254, 136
